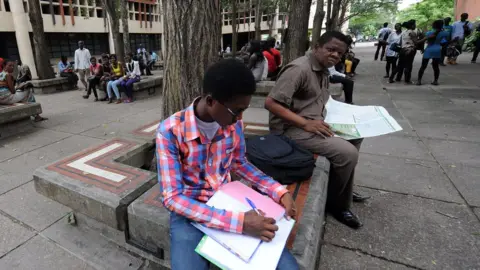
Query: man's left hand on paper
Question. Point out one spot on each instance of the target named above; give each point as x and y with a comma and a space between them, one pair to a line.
289, 204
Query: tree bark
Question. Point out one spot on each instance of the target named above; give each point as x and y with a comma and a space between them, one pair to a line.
297, 30
42, 61
258, 20
343, 13
191, 43
126, 32
332, 21
318, 22
234, 27
111, 6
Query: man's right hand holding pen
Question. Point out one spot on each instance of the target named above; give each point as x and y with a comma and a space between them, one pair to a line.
259, 226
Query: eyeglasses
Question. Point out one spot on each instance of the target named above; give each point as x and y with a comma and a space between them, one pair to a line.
235, 116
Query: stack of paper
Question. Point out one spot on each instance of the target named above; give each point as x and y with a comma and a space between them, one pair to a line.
238, 251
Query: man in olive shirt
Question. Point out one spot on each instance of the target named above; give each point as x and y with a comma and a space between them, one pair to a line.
297, 109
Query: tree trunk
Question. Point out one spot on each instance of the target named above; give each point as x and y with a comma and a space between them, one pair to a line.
258, 20
318, 21
297, 30
343, 13
111, 7
191, 43
271, 20
332, 21
234, 27
126, 32
42, 61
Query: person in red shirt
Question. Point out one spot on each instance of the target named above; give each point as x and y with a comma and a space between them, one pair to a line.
273, 57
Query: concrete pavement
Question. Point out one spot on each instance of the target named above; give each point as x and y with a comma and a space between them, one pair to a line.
424, 212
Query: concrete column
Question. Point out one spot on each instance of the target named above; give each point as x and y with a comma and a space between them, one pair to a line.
21, 24
111, 44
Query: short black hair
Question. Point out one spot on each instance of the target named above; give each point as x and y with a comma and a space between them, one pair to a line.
228, 79
93, 57
385, 24
114, 56
329, 35
438, 24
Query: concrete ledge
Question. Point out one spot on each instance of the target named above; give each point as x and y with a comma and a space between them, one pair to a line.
150, 83
49, 86
18, 111
264, 87
101, 181
336, 90
306, 247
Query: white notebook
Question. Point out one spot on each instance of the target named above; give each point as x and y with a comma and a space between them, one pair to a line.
266, 256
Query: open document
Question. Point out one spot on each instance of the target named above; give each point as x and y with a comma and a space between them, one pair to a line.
354, 122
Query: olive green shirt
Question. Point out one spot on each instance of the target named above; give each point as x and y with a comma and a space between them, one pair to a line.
302, 87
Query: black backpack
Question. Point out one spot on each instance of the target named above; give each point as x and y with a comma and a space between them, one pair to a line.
280, 158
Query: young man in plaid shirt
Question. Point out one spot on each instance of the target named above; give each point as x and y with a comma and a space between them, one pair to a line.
197, 148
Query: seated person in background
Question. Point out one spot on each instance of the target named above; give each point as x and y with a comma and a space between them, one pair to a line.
351, 62
65, 69
116, 77
297, 109
273, 58
8, 94
24, 74
97, 72
153, 59
107, 69
197, 148
143, 58
132, 75
337, 77
256, 62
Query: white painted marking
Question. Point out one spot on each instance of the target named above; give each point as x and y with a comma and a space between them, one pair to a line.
150, 129
79, 164
252, 127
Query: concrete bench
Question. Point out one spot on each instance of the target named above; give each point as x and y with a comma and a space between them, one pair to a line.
111, 184
336, 90
264, 87
17, 117
49, 86
150, 83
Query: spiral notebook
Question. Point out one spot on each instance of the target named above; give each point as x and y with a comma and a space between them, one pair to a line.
232, 196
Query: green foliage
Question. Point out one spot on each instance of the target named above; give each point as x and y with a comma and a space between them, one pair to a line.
367, 16
426, 12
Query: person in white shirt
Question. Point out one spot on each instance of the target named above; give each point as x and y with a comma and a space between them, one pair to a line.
132, 75
82, 62
460, 30
391, 55
228, 49
382, 37
337, 77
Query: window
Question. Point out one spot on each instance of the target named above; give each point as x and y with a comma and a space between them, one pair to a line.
66, 44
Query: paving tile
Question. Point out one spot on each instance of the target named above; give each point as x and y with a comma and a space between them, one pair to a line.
465, 133
425, 233
91, 245
27, 141
337, 258
42, 254
12, 235
424, 105
31, 208
466, 179
409, 176
449, 152
477, 212
440, 117
399, 146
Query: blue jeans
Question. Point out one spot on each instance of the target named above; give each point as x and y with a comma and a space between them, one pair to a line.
184, 238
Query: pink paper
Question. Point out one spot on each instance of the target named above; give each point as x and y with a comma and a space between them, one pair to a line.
240, 191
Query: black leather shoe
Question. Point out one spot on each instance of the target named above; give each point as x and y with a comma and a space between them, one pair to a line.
347, 218
359, 198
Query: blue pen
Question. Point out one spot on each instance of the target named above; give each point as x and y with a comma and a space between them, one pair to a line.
252, 205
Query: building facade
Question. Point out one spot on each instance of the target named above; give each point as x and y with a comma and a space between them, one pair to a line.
472, 7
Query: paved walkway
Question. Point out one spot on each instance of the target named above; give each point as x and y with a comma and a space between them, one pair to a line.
424, 181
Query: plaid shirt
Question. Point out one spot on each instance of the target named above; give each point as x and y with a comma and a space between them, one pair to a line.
191, 168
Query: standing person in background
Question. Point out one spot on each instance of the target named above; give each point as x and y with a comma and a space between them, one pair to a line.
228, 49
132, 75
406, 55
460, 30
382, 38
420, 43
434, 39
477, 45
65, 69
82, 63
447, 28
392, 50
256, 62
